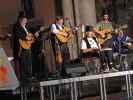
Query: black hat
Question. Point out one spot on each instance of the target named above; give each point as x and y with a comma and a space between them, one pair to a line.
105, 12
88, 28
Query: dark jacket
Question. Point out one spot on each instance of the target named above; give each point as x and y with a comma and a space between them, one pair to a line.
18, 33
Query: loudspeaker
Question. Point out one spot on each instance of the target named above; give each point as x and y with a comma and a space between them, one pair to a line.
75, 69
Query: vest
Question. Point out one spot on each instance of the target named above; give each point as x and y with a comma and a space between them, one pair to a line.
89, 54
54, 38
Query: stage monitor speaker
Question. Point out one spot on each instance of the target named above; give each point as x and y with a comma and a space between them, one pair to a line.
75, 69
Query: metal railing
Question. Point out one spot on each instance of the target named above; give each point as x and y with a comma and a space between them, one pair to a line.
102, 83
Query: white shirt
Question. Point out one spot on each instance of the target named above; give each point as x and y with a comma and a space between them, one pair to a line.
25, 29
92, 43
54, 28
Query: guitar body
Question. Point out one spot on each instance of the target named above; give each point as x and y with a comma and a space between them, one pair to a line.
26, 44
62, 38
59, 58
104, 35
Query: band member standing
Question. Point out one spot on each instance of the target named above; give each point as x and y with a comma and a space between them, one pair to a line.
59, 47
90, 48
104, 30
22, 34
15, 44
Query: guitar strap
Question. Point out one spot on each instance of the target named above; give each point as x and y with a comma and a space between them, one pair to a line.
57, 42
88, 44
57, 27
90, 54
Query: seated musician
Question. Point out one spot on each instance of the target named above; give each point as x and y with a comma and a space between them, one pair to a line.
104, 30
121, 42
24, 54
60, 48
90, 48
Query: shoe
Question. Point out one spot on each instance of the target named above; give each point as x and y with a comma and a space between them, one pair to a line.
114, 69
106, 70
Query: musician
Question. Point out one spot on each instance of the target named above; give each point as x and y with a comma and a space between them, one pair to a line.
121, 42
90, 48
16, 44
24, 54
60, 49
105, 27
104, 30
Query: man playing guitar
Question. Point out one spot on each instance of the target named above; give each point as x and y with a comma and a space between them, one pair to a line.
104, 30
24, 54
59, 38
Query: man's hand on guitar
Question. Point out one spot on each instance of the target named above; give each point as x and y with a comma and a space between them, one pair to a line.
36, 34
64, 34
28, 38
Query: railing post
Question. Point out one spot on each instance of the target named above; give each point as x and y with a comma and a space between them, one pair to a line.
128, 86
75, 91
51, 92
42, 93
54, 94
25, 93
103, 89
72, 91
22, 92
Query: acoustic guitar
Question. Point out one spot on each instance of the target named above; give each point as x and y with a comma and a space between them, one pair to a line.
62, 38
26, 44
105, 34
58, 57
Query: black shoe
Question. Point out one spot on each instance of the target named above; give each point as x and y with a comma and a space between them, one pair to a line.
113, 67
